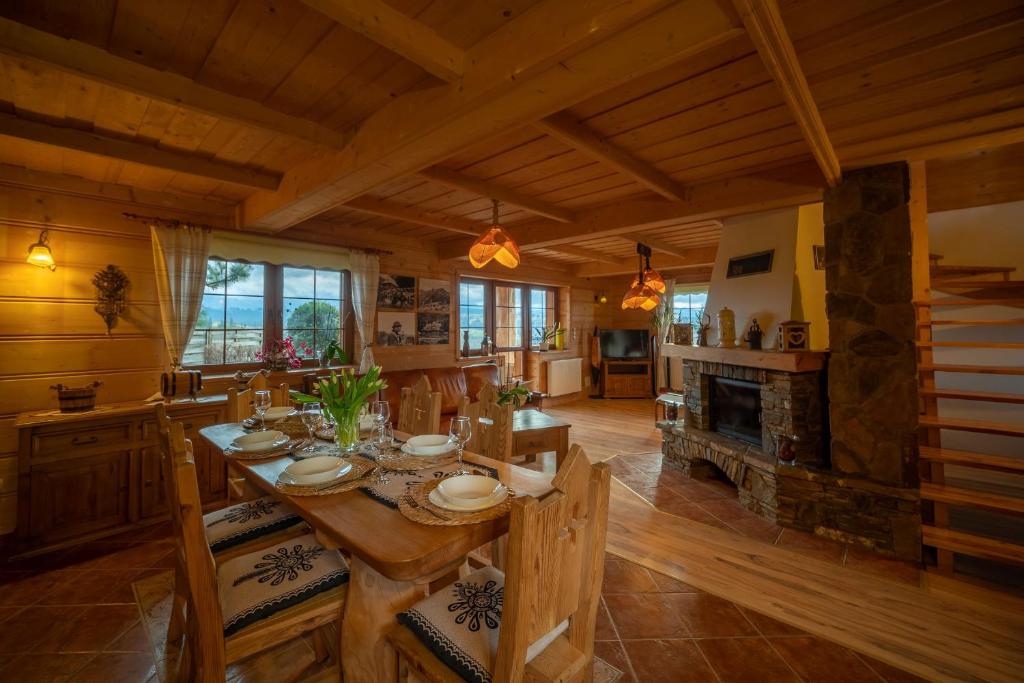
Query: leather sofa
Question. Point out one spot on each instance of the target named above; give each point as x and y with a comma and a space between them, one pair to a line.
452, 382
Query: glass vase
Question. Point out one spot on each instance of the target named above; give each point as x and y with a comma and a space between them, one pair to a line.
346, 430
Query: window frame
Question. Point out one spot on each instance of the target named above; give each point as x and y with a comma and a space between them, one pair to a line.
490, 313
273, 313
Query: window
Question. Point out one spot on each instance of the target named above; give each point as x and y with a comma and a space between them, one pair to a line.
688, 305
246, 305
509, 313
230, 325
312, 310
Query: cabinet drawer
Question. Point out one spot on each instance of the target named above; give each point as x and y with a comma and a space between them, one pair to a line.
191, 424
90, 436
538, 443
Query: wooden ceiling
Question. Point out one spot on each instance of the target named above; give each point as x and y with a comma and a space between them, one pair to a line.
595, 123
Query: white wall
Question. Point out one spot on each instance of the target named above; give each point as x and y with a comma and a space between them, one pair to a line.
767, 297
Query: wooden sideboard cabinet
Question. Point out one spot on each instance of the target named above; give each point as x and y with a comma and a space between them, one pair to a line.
626, 378
87, 475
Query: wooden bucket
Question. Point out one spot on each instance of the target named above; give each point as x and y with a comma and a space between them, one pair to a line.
76, 399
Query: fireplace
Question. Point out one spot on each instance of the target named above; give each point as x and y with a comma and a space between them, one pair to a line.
736, 409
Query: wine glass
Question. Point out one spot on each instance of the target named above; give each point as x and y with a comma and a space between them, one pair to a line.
379, 440
381, 411
261, 402
459, 432
312, 418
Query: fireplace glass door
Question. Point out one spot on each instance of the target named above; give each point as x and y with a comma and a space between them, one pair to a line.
736, 409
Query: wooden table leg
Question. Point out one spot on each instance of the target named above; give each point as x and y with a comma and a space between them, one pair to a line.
563, 447
373, 601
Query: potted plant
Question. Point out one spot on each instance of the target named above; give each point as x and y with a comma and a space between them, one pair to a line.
546, 334
331, 351
279, 355
343, 396
516, 395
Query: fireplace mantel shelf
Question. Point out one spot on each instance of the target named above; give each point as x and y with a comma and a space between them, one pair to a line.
797, 361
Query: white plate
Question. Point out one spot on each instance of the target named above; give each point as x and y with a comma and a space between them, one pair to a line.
432, 453
287, 480
267, 445
317, 470
468, 489
277, 412
499, 497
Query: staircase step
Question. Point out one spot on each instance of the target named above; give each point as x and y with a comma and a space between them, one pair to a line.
971, 344
972, 545
949, 269
950, 456
971, 302
962, 395
986, 323
962, 425
977, 284
982, 500
975, 369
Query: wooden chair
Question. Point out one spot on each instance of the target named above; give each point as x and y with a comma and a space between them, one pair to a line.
492, 424
238, 608
420, 409
551, 593
230, 532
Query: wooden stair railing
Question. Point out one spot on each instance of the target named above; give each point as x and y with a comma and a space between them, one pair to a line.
986, 548
951, 456
964, 425
972, 369
983, 500
964, 395
1017, 302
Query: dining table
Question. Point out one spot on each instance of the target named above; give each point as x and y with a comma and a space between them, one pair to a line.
393, 560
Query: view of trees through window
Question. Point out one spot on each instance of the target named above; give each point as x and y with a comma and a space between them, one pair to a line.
688, 306
234, 324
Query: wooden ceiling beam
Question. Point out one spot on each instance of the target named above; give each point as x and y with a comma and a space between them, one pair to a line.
582, 252
92, 63
461, 181
577, 49
563, 126
409, 214
403, 35
656, 244
135, 152
763, 22
786, 186
690, 258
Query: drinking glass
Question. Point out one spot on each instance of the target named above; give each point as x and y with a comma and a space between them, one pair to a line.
459, 432
261, 402
379, 440
381, 411
312, 418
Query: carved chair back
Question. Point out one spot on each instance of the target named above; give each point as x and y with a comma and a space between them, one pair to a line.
491, 423
420, 409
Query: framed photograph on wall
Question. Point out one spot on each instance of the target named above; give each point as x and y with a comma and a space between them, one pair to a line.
432, 328
396, 329
750, 264
396, 293
819, 257
435, 296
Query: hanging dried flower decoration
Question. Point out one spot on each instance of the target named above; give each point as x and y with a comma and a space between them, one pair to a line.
111, 291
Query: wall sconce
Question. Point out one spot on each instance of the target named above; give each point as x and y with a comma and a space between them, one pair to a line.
111, 289
601, 298
39, 254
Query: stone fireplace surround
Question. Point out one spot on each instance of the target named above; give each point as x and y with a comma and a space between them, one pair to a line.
807, 495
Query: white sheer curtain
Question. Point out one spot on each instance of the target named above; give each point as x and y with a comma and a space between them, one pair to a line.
179, 258
365, 269
667, 311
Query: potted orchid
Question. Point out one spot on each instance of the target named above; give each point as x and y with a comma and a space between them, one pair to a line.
279, 355
343, 396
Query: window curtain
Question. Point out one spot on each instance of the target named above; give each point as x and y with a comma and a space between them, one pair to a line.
667, 313
179, 259
365, 269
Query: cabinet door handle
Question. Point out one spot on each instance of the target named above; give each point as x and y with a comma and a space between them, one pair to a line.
83, 441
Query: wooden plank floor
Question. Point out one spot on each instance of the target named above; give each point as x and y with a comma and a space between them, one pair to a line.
941, 636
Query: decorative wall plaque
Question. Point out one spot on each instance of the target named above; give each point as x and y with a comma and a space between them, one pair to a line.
111, 294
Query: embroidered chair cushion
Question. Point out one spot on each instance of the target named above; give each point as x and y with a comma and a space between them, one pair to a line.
264, 582
460, 624
247, 521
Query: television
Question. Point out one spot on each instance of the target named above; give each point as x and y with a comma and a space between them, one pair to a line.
620, 344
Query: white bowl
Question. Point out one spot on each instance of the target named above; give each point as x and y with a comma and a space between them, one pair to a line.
468, 489
497, 498
277, 412
259, 441
316, 470
428, 444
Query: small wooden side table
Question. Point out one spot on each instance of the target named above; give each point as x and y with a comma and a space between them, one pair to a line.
536, 432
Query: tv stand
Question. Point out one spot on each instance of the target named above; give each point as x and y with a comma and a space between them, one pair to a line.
627, 378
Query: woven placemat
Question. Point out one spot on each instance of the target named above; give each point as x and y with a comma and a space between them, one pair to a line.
286, 449
416, 506
361, 469
395, 459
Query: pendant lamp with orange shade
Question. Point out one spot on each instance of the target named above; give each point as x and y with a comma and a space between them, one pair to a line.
643, 294
494, 245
